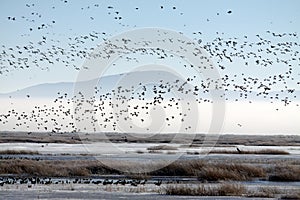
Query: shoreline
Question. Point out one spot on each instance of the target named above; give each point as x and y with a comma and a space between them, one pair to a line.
222, 139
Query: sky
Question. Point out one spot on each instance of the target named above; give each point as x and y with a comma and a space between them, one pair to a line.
76, 18
59, 32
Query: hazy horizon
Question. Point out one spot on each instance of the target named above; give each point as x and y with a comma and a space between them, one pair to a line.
226, 67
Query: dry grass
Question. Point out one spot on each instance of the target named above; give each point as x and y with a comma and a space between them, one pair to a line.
180, 168
193, 168
15, 152
263, 151
231, 190
203, 170
43, 168
155, 151
294, 196
204, 145
193, 152
285, 173
228, 189
239, 172
223, 140
161, 147
211, 171
139, 152
171, 152
201, 190
265, 192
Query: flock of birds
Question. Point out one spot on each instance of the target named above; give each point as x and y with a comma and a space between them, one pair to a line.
30, 181
265, 51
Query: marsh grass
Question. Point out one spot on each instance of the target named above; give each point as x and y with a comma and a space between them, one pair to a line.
192, 168
228, 189
201, 190
171, 152
139, 152
42, 168
223, 140
16, 152
203, 145
265, 192
161, 147
240, 172
263, 151
155, 151
293, 196
285, 173
193, 152
211, 171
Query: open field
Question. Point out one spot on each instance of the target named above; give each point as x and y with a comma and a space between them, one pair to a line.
106, 166
93, 166
218, 140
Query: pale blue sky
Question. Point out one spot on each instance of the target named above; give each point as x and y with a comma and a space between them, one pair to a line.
249, 17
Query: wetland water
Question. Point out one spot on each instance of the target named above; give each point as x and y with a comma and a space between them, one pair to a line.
93, 187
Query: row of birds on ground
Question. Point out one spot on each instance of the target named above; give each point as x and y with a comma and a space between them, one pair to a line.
48, 181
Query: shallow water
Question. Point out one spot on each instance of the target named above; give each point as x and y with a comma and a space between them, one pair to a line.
127, 148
